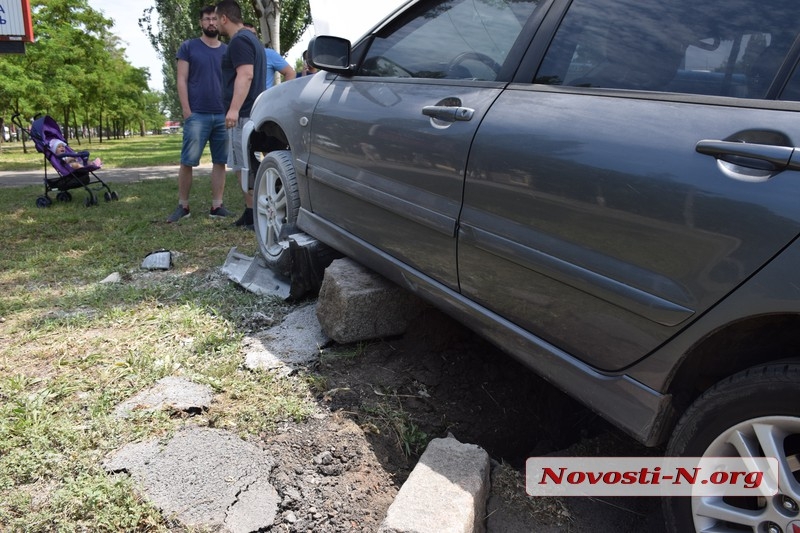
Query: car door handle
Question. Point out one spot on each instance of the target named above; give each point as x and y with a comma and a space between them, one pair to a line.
448, 113
752, 155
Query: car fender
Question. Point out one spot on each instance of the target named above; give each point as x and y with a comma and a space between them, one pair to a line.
283, 114
770, 296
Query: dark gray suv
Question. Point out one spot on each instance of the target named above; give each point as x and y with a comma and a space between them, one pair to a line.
606, 189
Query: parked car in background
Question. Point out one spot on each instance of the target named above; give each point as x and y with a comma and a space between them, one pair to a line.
606, 189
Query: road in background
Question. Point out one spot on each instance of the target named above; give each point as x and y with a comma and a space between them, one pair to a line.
111, 175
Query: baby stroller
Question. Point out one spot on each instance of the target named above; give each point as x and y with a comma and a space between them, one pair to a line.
43, 131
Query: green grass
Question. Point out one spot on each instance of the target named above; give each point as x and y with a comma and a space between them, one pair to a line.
411, 440
72, 348
151, 150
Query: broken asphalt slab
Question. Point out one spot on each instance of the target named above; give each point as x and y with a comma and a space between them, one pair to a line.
298, 340
204, 478
174, 393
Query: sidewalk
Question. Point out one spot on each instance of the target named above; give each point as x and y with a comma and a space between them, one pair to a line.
110, 175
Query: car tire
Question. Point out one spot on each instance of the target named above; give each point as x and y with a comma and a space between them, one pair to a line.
276, 202
759, 406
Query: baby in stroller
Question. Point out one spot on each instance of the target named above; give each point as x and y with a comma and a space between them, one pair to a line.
67, 155
73, 168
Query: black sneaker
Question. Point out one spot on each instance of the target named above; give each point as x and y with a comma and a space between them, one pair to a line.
220, 212
179, 213
246, 219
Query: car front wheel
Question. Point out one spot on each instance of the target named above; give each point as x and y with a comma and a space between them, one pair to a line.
276, 202
755, 413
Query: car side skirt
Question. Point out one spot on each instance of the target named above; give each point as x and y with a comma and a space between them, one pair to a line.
625, 402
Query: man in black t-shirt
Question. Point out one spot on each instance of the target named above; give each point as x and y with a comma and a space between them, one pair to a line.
244, 61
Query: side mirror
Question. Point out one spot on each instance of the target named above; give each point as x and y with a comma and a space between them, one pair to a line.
331, 54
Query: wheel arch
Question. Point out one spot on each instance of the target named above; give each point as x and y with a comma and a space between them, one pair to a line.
735, 347
268, 137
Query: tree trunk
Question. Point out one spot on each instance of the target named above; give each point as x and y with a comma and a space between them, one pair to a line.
20, 134
269, 12
75, 125
66, 124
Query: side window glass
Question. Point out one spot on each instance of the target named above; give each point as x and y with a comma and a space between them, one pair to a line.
792, 89
457, 39
730, 48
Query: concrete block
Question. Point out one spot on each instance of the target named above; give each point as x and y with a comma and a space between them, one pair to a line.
356, 304
446, 492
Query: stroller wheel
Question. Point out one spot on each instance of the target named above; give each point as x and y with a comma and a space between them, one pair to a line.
43, 201
64, 196
107, 196
114, 196
90, 200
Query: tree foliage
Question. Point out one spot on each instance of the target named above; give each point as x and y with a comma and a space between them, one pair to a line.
76, 72
286, 18
179, 20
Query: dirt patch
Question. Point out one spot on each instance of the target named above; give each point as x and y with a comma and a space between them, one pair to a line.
328, 477
380, 403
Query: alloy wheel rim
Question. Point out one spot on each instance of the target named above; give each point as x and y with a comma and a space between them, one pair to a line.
272, 211
772, 436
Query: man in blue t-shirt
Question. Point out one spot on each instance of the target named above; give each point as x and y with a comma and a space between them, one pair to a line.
199, 83
275, 63
244, 63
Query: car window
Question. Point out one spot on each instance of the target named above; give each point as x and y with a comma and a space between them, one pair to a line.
457, 39
792, 89
731, 48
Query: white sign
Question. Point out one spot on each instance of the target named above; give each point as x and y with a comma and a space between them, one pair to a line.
12, 21
652, 476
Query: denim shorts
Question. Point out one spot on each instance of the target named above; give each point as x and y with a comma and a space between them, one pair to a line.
202, 128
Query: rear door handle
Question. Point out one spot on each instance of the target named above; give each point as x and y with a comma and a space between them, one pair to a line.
448, 113
752, 155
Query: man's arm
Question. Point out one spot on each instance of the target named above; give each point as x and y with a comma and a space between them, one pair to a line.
288, 73
241, 86
183, 87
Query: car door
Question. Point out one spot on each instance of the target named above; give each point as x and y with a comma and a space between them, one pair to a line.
644, 174
388, 146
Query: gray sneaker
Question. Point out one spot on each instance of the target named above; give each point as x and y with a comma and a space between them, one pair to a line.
220, 212
179, 213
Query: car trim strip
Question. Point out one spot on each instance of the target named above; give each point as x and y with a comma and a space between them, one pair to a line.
426, 217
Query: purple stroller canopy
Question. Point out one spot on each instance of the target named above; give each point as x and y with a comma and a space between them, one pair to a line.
45, 129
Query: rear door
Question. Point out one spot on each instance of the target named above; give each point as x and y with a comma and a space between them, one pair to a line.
389, 146
597, 214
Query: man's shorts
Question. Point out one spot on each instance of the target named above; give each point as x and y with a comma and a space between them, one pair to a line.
202, 128
235, 153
